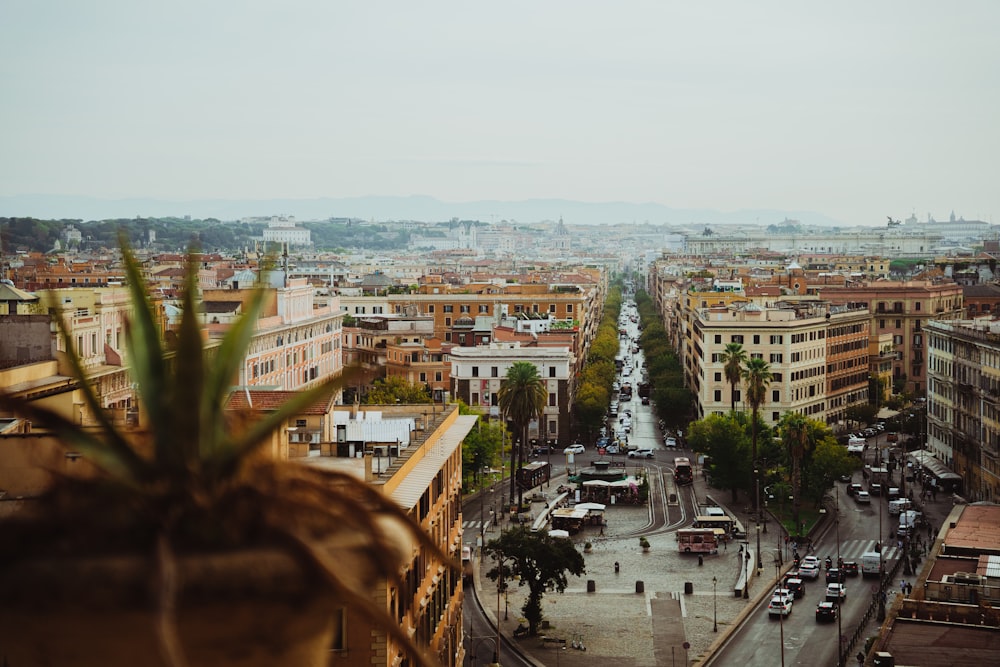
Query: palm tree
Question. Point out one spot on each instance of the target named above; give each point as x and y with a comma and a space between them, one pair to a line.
522, 398
734, 357
757, 375
795, 433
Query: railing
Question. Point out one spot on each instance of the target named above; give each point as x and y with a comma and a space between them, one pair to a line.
877, 601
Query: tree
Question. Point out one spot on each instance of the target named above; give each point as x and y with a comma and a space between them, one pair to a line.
538, 561
734, 358
521, 398
757, 375
723, 438
828, 462
794, 429
481, 447
394, 389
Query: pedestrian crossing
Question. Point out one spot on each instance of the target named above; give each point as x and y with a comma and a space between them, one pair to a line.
852, 549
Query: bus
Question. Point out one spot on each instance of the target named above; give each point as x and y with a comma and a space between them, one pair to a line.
698, 540
725, 523
682, 471
533, 474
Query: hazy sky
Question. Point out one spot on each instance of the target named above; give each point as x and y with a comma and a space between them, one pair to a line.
855, 109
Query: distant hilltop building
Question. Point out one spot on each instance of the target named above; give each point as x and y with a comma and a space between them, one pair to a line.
283, 229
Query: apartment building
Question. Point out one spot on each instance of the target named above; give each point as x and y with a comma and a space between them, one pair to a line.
963, 402
477, 373
902, 309
424, 362
297, 342
794, 347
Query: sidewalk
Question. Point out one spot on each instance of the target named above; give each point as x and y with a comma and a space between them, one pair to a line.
618, 621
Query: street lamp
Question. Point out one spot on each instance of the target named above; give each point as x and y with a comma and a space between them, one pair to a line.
715, 606
840, 629
756, 474
746, 570
781, 616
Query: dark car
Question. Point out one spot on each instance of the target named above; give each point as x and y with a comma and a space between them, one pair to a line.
854, 488
826, 611
850, 568
835, 576
796, 586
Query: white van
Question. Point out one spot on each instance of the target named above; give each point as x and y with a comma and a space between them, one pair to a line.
855, 442
900, 505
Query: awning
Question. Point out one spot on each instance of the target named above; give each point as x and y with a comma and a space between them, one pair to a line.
886, 413
936, 468
592, 507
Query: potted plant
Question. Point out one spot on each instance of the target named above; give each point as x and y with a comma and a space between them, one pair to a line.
644, 543
587, 547
189, 546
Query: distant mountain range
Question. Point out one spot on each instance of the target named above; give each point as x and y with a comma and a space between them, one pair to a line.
419, 208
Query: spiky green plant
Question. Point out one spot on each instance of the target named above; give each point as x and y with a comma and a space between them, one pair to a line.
191, 478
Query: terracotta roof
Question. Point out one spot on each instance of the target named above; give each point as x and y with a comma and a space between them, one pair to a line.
267, 401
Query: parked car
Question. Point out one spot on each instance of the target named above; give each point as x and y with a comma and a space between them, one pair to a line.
779, 606
850, 568
836, 592
575, 448
641, 454
863, 497
826, 611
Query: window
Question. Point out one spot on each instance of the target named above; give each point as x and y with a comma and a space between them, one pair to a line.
552, 308
776, 357
534, 307
448, 308
552, 400
916, 306
430, 308
552, 371
881, 324
484, 308
718, 339
475, 398
447, 321
775, 396
718, 395
569, 308
494, 372
737, 338
423, 377
464, 308
739, 395
756, 339
718, 377
777, 340
437, 376
552, 427
475, 374
775, 416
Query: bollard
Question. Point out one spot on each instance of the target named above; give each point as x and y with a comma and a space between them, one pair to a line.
617, 567
688, 588
591, 586
701, 561
639, 587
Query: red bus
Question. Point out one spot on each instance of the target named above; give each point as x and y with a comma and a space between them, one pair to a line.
682, 471
698, 540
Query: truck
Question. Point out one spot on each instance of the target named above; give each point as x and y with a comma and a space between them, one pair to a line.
908, 520
871, 564
877, 480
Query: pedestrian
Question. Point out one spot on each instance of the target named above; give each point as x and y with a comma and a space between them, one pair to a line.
725, 545
909, 589
860, 657
902, 586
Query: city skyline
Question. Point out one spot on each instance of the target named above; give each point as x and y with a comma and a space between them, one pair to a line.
851, 112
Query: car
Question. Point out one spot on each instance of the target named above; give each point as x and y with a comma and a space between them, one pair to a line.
826, 611
852, 489
870, 432
791, 574
809, 568
625, 398
836, 592
796, 586
835, 575
645, 400
575, 448
783, 592
641, 454
670, 443
779, 606
863, 497
846, 477
612, 449
850, 568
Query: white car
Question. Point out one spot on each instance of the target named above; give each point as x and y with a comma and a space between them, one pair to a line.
641, 454
809, 568
862, 497
670, 443
836, 592
779, 606
574, 449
